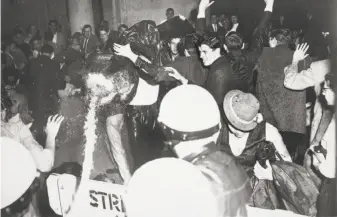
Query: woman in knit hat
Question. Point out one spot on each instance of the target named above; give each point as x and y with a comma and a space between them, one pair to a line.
245, 134
246, 128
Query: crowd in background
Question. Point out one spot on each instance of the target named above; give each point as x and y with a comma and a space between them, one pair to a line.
229, 102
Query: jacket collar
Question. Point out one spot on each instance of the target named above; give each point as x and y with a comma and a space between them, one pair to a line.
217, 62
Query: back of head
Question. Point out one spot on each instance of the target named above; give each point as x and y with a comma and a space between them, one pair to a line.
76, 38
107, 73
189, 43
282, 36
233, 41
47, 49
170, 187
189, 108
122, 26
213, 42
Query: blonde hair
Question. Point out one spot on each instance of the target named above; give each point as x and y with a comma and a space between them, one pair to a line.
23, 110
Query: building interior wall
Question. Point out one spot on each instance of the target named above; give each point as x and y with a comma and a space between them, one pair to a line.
25, 12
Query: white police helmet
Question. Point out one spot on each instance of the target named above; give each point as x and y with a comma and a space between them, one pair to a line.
189, 108
169, 187
18, 171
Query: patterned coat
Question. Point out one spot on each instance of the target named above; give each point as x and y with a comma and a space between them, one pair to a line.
280, 106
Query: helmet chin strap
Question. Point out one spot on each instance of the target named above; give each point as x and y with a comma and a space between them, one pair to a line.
175, 136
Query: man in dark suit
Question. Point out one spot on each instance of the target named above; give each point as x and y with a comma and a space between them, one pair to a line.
215, 28
90, 42
55, 37
106, 41
280, 23
45, 81
238, 28
314, 37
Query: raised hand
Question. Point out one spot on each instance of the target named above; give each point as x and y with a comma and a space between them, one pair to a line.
269, 1
300, 52
53, 125
204, 4
123, 50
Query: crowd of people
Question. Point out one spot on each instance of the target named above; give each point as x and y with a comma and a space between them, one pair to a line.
219, 122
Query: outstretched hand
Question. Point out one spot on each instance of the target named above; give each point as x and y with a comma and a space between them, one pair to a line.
175, 74
300, 52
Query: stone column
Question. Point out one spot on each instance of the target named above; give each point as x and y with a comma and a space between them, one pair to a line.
108, 13
80, 13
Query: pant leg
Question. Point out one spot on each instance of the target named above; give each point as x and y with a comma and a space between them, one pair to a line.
143, 139
326, 201
292, 141
118, 152
137, 131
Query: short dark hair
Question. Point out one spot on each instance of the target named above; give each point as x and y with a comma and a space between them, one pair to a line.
47, 49
86, 26
189, 43
331, 78
282, 36
36, 38
233, 41
213, 42
76, 36
18, 32
53, 21
103, 28
169, 9
105, 24
123, 26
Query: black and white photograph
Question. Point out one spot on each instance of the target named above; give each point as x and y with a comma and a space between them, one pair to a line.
168, 108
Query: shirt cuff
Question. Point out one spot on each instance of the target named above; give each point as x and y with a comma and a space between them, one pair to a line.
201, 14
139, 62
327, 170
269, 7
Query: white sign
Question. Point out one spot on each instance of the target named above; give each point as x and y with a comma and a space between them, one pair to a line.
95, 199
106, 199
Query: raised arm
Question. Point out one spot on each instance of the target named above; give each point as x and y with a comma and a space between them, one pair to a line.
296, 80
200, 25
273, 135
141, 62
44, 158
260, 32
